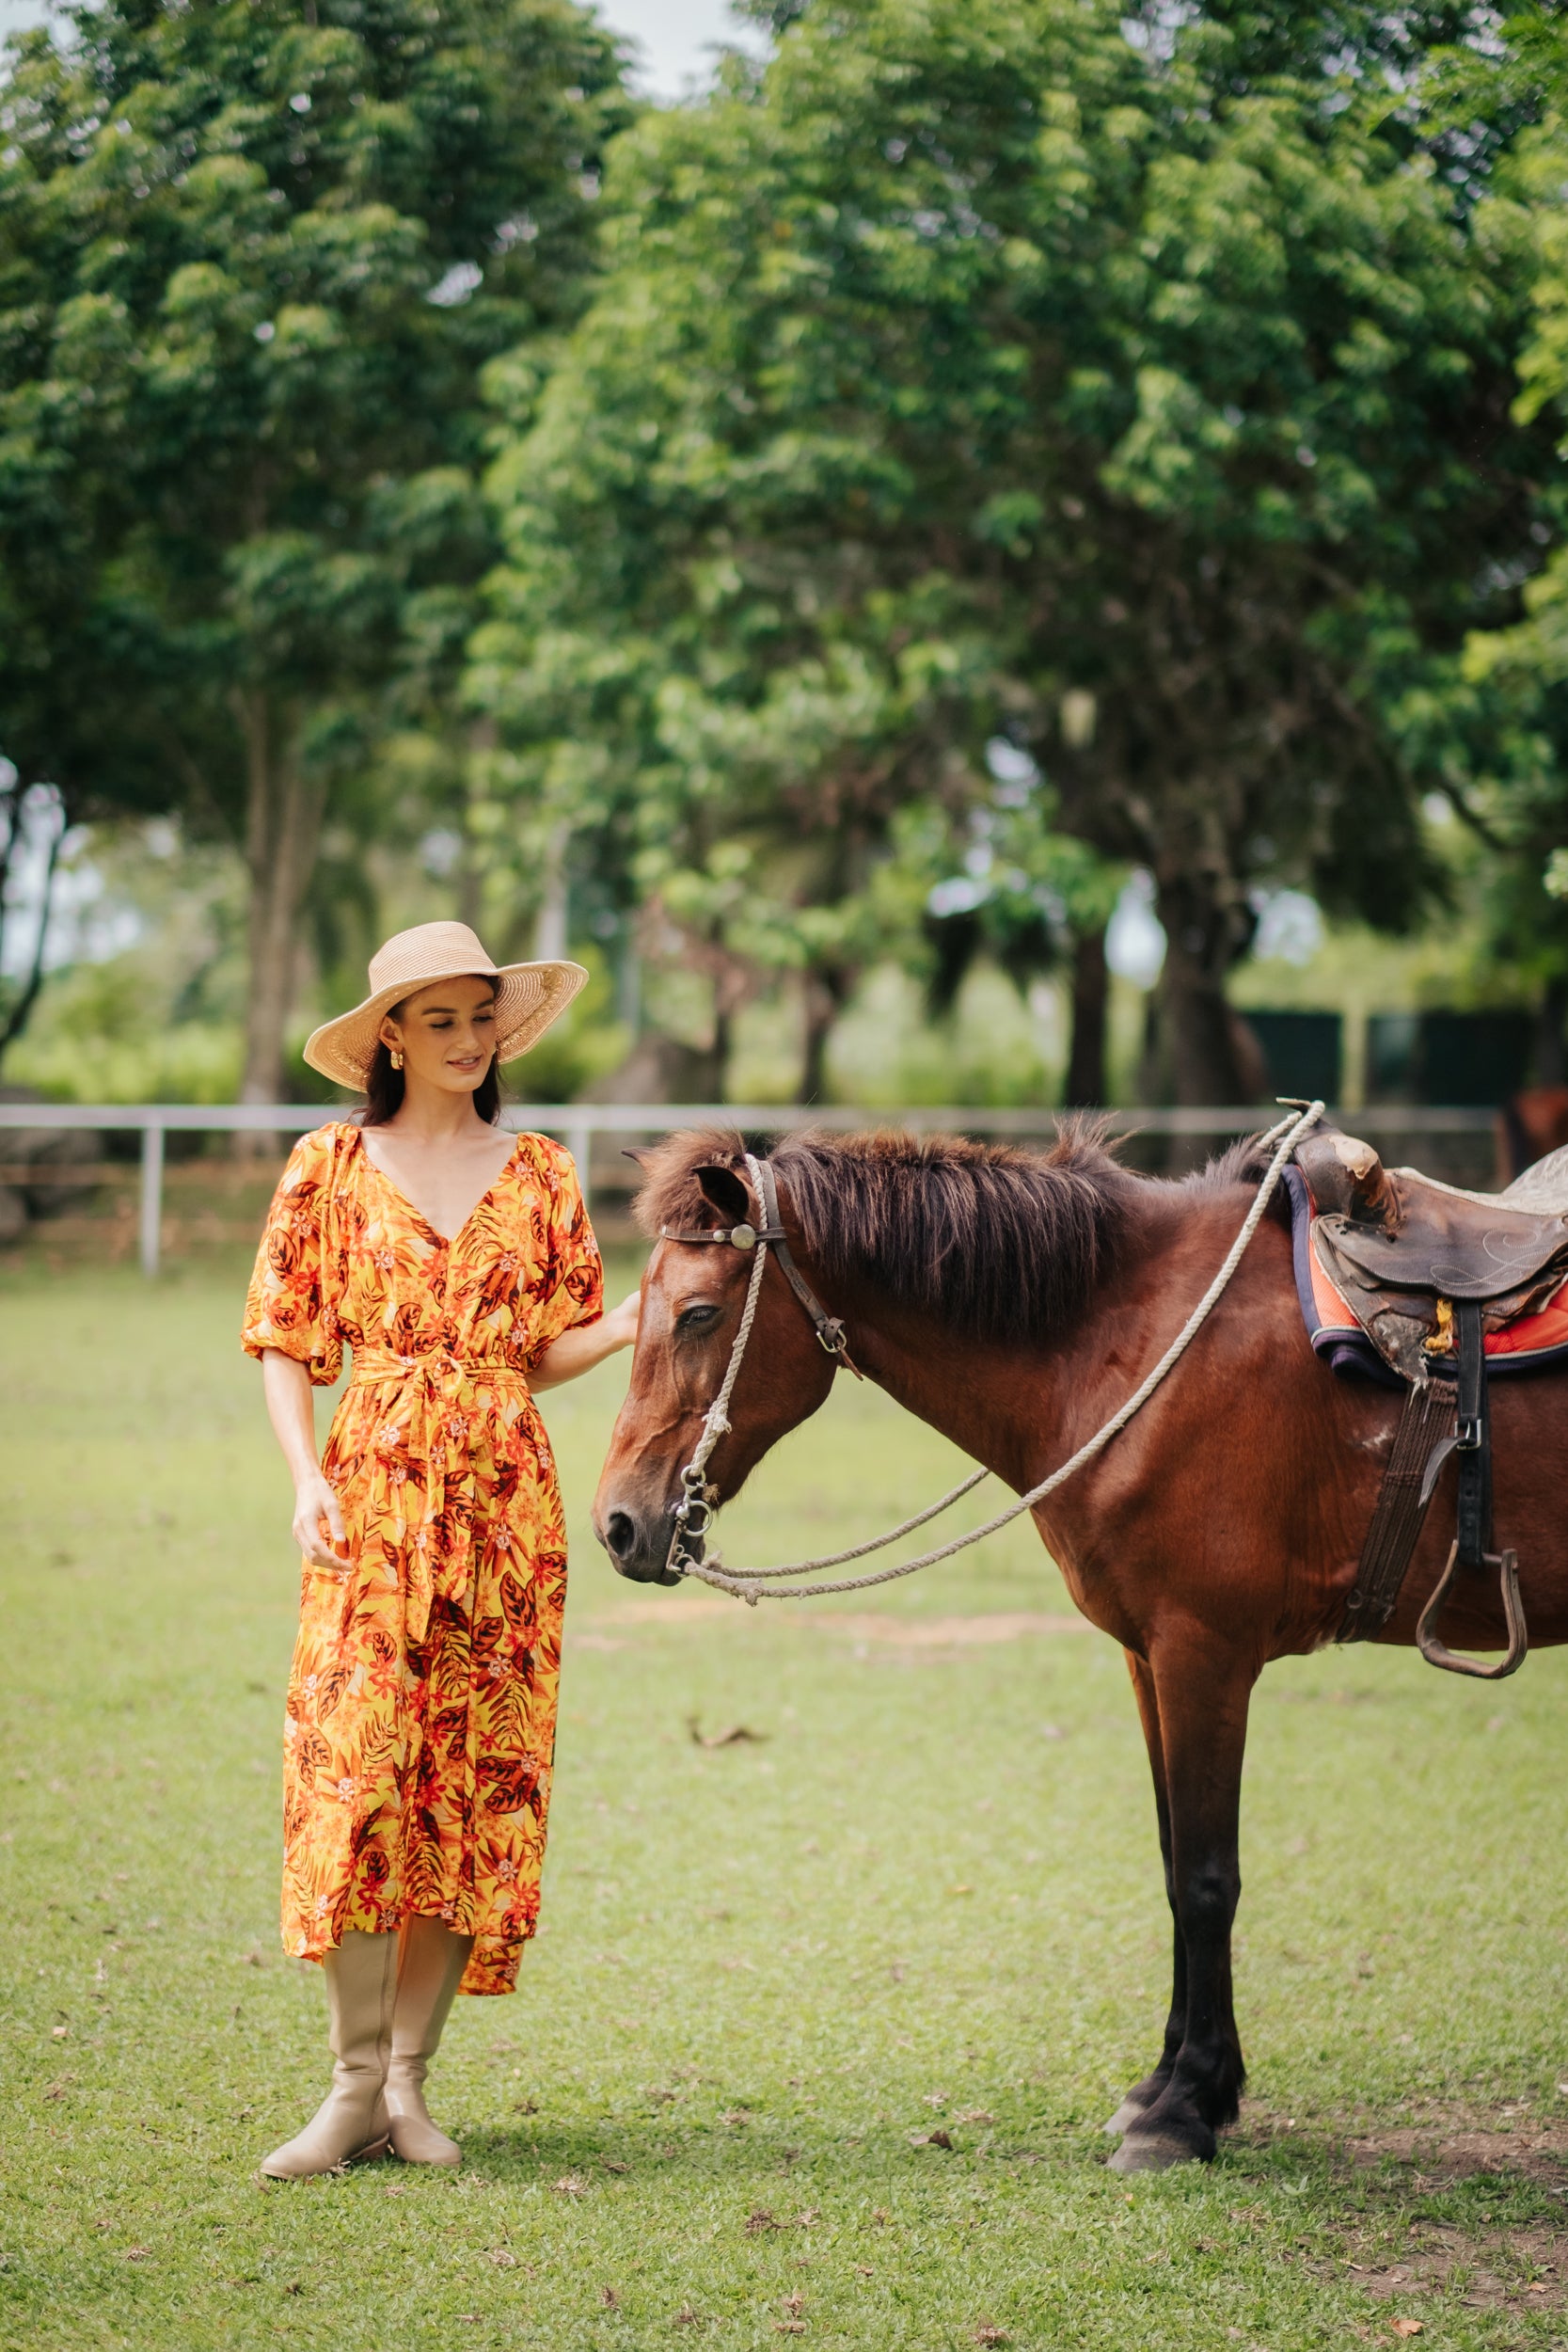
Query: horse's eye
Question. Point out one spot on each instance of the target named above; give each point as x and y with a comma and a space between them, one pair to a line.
696, 1318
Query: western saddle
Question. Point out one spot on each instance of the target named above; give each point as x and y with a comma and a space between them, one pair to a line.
1427, 1270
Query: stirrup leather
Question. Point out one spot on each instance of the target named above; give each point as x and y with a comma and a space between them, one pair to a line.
1456, 1353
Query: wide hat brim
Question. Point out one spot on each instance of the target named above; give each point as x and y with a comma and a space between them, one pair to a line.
528, 997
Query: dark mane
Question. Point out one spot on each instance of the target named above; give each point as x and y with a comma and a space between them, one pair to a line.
1243, 1162
1000, 1243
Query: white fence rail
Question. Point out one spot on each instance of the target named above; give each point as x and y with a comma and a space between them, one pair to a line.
576, 1125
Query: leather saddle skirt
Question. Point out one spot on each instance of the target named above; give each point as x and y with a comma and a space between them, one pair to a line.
1390, 1251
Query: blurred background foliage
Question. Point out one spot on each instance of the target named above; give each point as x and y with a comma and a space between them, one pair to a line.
1001, 537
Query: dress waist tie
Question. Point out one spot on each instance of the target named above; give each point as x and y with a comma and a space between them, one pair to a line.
426, 1435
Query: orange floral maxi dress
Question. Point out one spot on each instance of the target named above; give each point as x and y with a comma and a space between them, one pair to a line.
421, 1724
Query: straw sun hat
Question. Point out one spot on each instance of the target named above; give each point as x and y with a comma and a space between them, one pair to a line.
529, 996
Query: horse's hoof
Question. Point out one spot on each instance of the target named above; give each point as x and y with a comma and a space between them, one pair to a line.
1124, 2117
1150, 2152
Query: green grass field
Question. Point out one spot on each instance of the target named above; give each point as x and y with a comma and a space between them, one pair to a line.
924, 1897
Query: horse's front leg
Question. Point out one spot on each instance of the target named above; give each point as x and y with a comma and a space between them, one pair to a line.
1144, 2094
1201, 1687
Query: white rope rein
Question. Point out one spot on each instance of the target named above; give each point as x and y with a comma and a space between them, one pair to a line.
743, 1583
877, 1542
716, 1420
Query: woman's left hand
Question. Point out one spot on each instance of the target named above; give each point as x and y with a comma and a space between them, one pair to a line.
619, 1325
577, 1352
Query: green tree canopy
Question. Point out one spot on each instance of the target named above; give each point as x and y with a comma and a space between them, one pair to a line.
253, 257
1135, 385
1515, 792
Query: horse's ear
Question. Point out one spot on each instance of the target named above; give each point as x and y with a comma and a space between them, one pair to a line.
722, 1189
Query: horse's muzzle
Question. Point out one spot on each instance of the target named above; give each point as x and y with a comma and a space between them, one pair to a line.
639, 1548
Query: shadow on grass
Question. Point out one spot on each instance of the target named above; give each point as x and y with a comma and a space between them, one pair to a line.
636, 2149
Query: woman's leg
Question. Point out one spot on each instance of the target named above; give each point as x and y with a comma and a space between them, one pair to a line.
350, 2121
431, 1961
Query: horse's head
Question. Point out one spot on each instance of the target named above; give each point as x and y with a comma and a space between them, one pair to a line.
693, 1298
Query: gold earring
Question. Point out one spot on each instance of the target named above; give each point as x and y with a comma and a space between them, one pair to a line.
397, 1058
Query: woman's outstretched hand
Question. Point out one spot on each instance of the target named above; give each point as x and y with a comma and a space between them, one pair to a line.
577, 1352
319, 1529
619, 1325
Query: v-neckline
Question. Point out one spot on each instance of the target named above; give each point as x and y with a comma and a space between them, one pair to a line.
446, 1240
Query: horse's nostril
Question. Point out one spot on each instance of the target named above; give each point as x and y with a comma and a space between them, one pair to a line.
619, 1534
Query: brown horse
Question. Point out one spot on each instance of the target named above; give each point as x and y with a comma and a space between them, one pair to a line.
1014, 1301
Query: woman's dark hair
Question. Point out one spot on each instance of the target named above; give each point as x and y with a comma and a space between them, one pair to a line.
384, 1087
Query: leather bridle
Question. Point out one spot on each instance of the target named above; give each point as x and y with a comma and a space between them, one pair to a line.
694, 1511
829, 1328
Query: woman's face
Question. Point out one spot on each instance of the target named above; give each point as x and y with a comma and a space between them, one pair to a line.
446, 1034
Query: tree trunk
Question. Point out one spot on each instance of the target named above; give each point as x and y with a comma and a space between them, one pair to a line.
1086, 1068
283, 815
723, 1046
1205, 1043
1153, 1083
550, 929
1549, 1063
628, 986
474, 860
19, 1011
826, 991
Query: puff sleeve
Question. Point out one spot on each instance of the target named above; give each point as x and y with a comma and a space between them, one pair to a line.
571, 1285
292, 1301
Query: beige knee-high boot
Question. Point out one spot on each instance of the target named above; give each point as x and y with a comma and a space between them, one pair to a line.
350, 2121
431, 1961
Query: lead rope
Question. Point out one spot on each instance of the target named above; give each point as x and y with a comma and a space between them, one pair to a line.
695, 1508
741, 1583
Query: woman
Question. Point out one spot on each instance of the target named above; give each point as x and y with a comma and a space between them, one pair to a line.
459, 1265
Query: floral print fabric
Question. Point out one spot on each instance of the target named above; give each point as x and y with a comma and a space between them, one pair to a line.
421, 1724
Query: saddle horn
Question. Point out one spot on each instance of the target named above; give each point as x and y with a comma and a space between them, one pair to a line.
1346, 1178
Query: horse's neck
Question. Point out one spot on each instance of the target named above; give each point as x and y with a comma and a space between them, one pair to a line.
986, 1404
990, 1401
1019, 1411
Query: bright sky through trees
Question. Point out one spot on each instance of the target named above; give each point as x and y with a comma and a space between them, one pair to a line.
674, 36
675, 39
